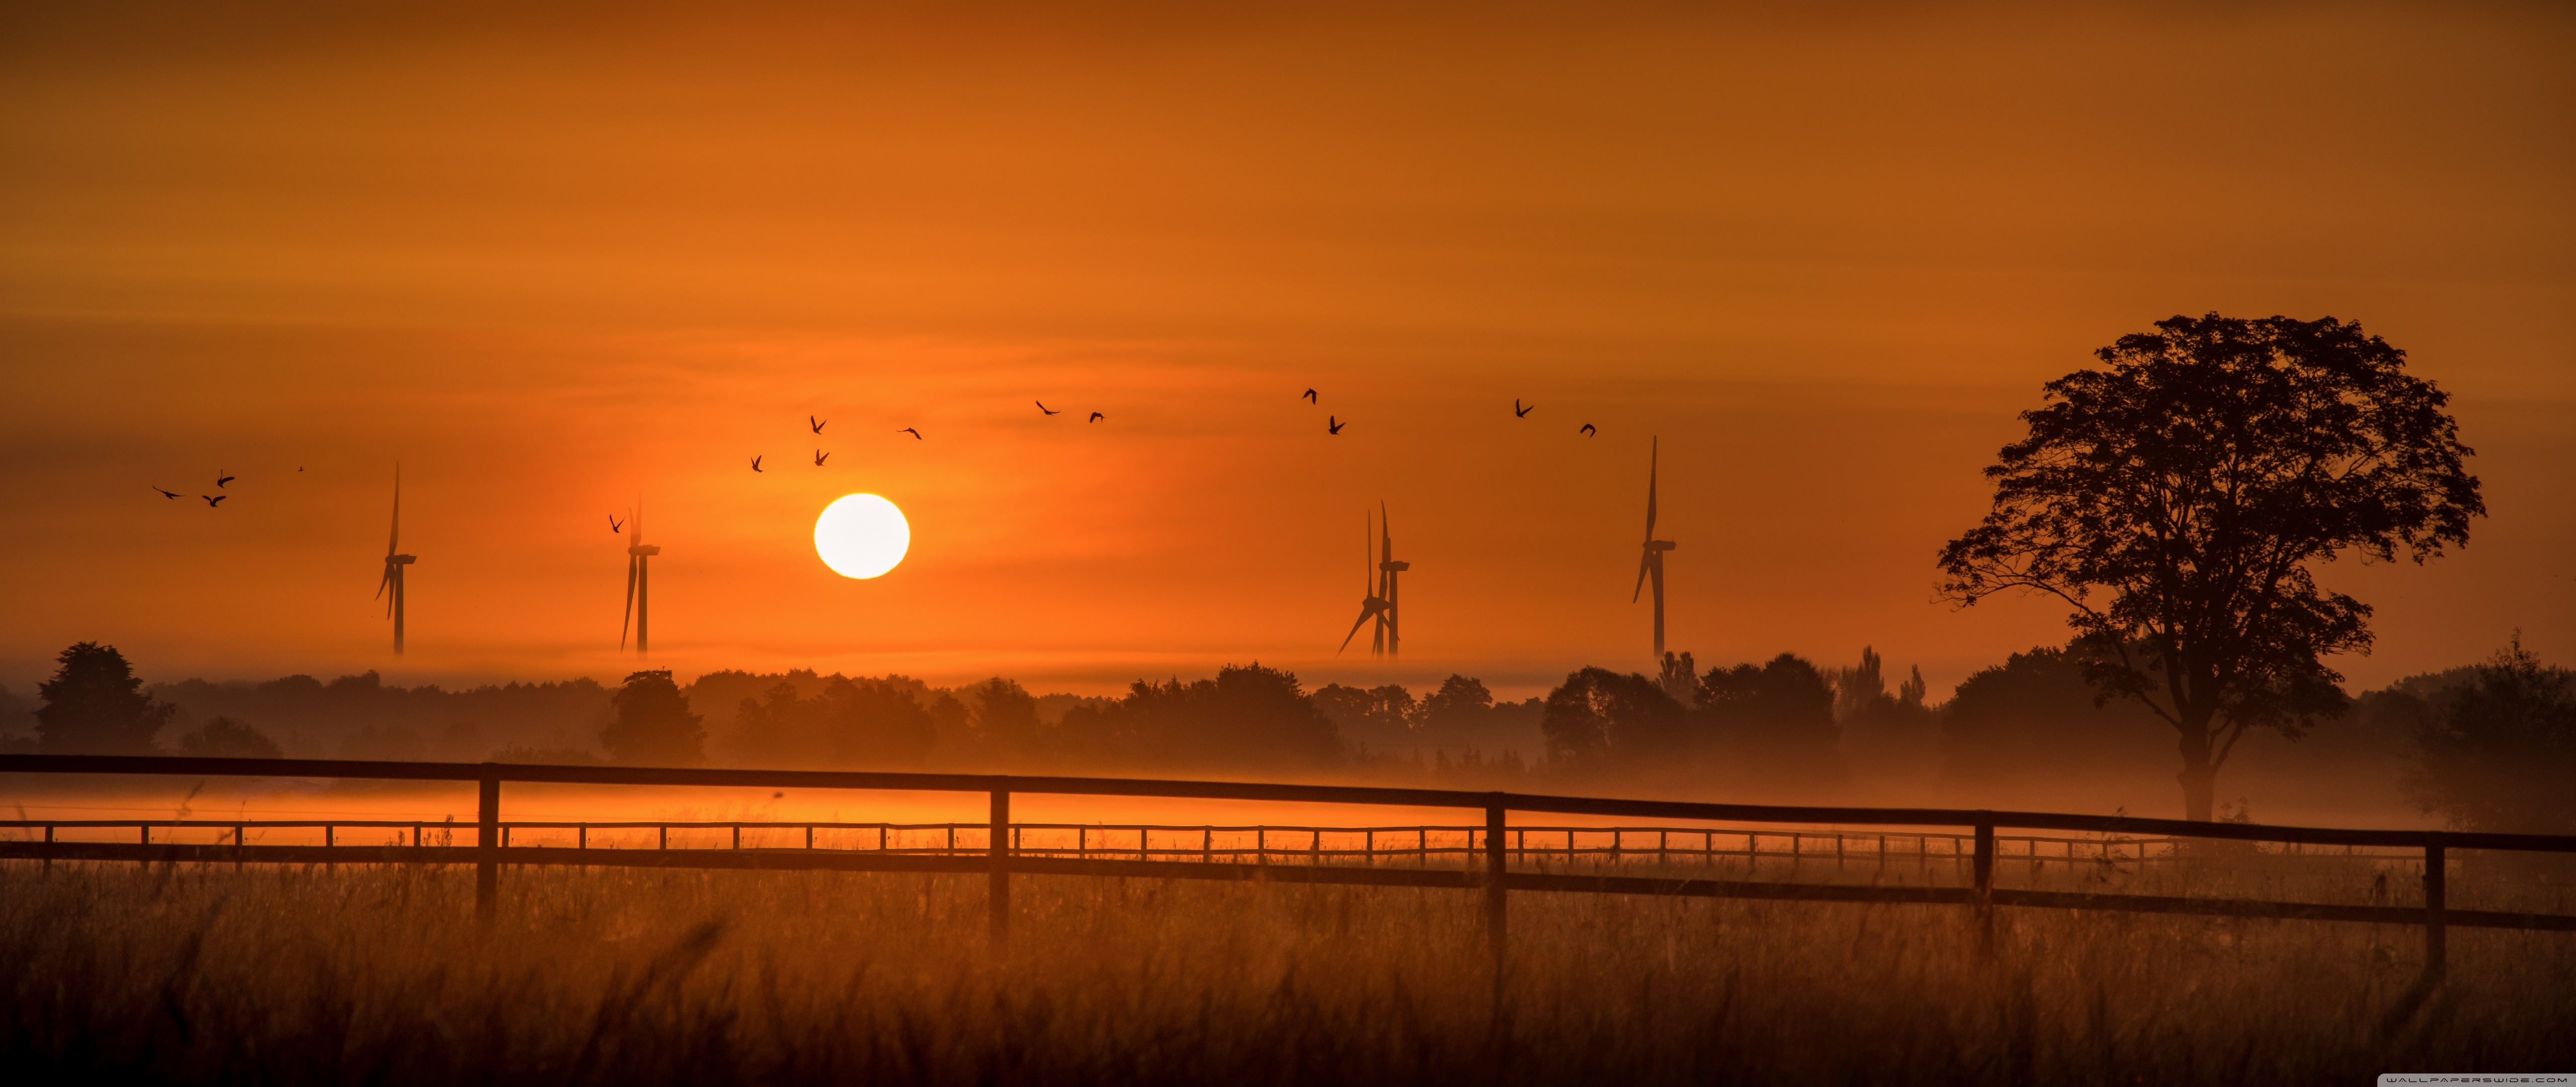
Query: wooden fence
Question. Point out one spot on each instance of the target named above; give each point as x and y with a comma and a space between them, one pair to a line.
1485, 852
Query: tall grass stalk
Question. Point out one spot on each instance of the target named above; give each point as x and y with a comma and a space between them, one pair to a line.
378, 975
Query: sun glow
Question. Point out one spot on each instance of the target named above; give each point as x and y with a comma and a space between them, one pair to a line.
861, 535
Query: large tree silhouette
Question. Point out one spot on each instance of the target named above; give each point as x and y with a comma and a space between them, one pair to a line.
652, 725
2179, 499
94, 705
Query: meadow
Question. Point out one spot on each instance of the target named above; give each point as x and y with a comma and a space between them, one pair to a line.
342, 974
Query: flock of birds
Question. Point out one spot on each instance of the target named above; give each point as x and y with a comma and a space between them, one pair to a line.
213, 501
1333, 425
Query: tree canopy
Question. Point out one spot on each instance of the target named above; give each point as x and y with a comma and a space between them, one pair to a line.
94, 705
2499, 754
653, 725
2179, 498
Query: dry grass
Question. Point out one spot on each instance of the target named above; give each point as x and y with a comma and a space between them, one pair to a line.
622, 976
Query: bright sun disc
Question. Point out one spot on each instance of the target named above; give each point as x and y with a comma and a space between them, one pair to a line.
861, 535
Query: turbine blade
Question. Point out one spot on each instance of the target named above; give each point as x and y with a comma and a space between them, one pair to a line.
1642, 564
381, 586
622, 624
1386, 541
393, 543
1365, 612
1652, 454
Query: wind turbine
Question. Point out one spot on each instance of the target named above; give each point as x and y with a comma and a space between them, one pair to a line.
1372, 605
395, 561
1389, 568
638, 583
1652, 564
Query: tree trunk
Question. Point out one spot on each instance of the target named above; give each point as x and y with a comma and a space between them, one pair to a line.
2199, 776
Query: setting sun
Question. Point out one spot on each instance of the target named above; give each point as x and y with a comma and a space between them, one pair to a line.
861, 536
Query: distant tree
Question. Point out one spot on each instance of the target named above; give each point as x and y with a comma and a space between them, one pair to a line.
2501, 754
653, 725
2178, 499
225, 738
1383, 716
1006, 716
1247, 718
1781, 712
1860, 687
776, 729
877, 722
1598, 717
95, 706
2035, 714
1460, 704
948, 726
1887, 732
1680, 678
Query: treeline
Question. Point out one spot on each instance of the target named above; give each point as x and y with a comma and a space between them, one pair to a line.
2488, 745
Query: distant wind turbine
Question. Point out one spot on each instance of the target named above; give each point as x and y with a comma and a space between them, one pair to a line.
1372, 604
395, 564
1388, 568
639, 580
1652, 564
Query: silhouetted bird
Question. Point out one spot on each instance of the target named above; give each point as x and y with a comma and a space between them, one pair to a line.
1588, 432
916, 435
755, 462
615, 525
817, 424
1518, 411
166, 494
819, 457
1042, 407
1310, 397
1095, 417
214, 501
221, 478
1333, 425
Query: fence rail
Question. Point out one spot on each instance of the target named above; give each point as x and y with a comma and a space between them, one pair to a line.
1527, 843
1004, 852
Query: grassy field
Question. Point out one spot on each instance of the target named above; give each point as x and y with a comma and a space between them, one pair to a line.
349, 974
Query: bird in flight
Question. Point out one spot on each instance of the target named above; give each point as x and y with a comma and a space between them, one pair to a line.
1519, 412
755, 462
916, 435
1588, 432
615, 525
1096, 417
1333, 425
819, 457
1042, 407
214, 501
221, 478
817, 424
167, 494
1310, 397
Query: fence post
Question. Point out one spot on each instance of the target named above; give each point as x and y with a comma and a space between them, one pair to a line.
1984, 867
997, 898
2436, 940
487, 844
1496, 893
238, 842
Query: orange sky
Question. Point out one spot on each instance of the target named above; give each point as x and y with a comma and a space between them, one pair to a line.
551, 262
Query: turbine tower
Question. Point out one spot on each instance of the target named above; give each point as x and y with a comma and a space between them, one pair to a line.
1388, 568
395, 561
638, 584
1652, 564
1373, 605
